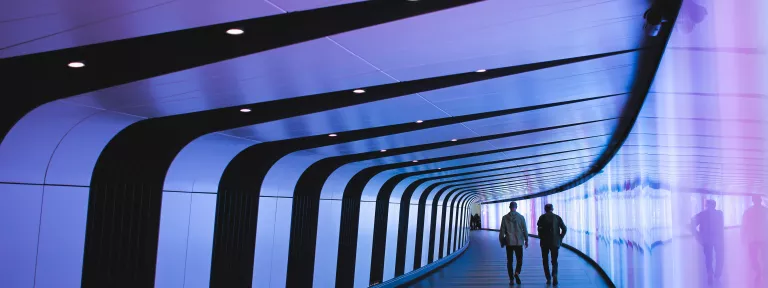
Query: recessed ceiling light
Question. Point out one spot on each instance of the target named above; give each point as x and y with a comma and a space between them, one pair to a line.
235, 31
358, 91
383, 150
76, 64
480, 71
414, 161
245, 110
419, 121
438, 168
332, 135
454, 140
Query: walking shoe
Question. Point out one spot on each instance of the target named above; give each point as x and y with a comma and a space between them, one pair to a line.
555, 282
517, 279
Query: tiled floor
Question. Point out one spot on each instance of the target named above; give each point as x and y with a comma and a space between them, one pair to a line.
484, 265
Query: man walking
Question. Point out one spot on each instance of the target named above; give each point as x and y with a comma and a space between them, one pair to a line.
551, 232
754, 233
709, 229
513, 234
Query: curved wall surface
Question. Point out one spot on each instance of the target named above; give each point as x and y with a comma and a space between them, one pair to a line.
700, 137
341, 144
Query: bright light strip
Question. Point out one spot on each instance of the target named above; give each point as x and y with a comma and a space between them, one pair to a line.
76, 64
358, 91
245, 110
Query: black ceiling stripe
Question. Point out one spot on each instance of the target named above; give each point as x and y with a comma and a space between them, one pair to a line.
130, 172
45, 77
649, 61
235, 228
225, 118
308, 187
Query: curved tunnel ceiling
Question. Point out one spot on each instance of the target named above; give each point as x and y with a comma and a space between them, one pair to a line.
460, 100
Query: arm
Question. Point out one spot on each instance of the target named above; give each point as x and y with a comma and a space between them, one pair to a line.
694, 227
538, 225
525, 232
562, 227
502, 232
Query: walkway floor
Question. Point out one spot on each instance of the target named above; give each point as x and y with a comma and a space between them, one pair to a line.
484, 265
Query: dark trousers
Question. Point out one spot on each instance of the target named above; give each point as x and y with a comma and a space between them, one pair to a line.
713, 252
545, 251
517, 252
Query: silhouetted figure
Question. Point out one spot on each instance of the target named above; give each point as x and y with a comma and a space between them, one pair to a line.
477, 221
753, 234
513, 234
551, 231
710, 230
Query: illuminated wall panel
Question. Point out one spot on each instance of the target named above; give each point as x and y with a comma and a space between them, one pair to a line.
62, 234
20, 222
391, 248
327, 243
640, 233
411, 244
201, 222
172, 242
364, 244
262, 259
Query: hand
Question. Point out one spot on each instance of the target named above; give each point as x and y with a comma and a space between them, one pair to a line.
526, 245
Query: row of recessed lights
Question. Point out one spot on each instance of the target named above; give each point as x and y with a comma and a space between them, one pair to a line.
238, 31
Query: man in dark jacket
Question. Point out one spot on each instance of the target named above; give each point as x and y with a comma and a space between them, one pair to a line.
709, 228
551, 231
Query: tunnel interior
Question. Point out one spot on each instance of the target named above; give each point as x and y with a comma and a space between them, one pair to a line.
347, 143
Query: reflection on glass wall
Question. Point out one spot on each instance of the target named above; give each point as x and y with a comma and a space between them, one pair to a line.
683, 203
646, 235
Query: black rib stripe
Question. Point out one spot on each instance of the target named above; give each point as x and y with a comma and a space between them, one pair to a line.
139, 156
234, 245
301, 253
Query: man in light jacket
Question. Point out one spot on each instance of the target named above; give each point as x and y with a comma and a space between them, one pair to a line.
513, 234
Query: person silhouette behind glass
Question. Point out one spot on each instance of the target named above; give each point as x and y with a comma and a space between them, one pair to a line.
753, 235
551, 232
513, 234
710, 224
